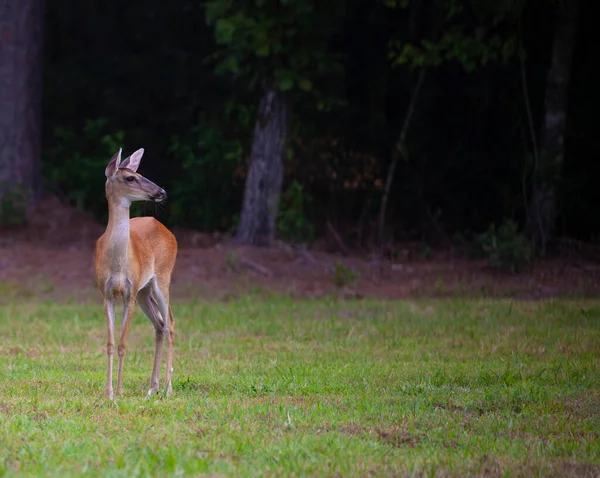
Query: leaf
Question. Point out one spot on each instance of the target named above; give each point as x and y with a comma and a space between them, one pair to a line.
216, 9
284, 79
395, 3
285, 84
263, 50
305, 84
509, 48
228, 65
224, 30
261, 43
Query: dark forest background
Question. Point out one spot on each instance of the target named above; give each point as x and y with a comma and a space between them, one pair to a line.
486, 110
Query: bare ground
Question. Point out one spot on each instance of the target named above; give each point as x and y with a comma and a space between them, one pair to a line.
51, 258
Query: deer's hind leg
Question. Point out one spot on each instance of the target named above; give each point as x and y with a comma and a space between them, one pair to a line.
150, 307
170, 340
160, 291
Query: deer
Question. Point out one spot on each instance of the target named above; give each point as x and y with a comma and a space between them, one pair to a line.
134, 260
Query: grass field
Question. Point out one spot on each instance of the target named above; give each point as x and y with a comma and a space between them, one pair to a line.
275, 387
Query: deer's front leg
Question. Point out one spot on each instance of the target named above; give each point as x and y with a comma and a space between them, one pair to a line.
127, 314
109, 312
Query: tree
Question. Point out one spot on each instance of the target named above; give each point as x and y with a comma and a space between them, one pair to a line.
263, 184
549, 161
280, 48
448, 40
21, 46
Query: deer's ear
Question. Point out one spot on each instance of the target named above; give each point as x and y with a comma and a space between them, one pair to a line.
113, 165
133, 162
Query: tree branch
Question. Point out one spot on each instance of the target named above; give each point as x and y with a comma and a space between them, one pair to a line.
398, 150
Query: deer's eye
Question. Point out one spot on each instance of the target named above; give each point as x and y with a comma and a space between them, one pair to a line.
130, 179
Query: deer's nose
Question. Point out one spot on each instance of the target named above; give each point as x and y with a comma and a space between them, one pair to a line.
161, 195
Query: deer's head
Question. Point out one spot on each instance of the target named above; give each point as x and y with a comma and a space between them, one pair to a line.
125, 184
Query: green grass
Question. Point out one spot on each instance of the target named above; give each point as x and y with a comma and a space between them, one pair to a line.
275, 387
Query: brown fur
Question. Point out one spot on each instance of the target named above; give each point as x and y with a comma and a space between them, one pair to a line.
134, 259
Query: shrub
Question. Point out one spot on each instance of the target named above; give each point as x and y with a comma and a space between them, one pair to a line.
292, 223
343, 276
206, 196
506, 247
13, 205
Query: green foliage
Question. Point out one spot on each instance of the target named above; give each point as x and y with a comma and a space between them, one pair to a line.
74, 164
470, 51
506, 247
13, 205
285, 42
292, 223
470, 48
205, 196
396, 3
152, 82
343, 276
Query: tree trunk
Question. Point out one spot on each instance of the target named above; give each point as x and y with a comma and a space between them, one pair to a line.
547, 170
21, 55
398, 150
263, 185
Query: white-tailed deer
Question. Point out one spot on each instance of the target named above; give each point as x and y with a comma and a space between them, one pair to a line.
133, 260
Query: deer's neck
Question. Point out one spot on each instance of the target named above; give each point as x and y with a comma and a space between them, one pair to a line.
117, 231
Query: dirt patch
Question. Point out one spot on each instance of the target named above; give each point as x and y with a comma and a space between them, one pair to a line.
572, 469
584, 406
398, 438
17, 350
52, 258
489, 466
394, 436
353, 429
53, 225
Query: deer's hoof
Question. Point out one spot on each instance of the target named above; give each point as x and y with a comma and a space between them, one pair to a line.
153, 391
